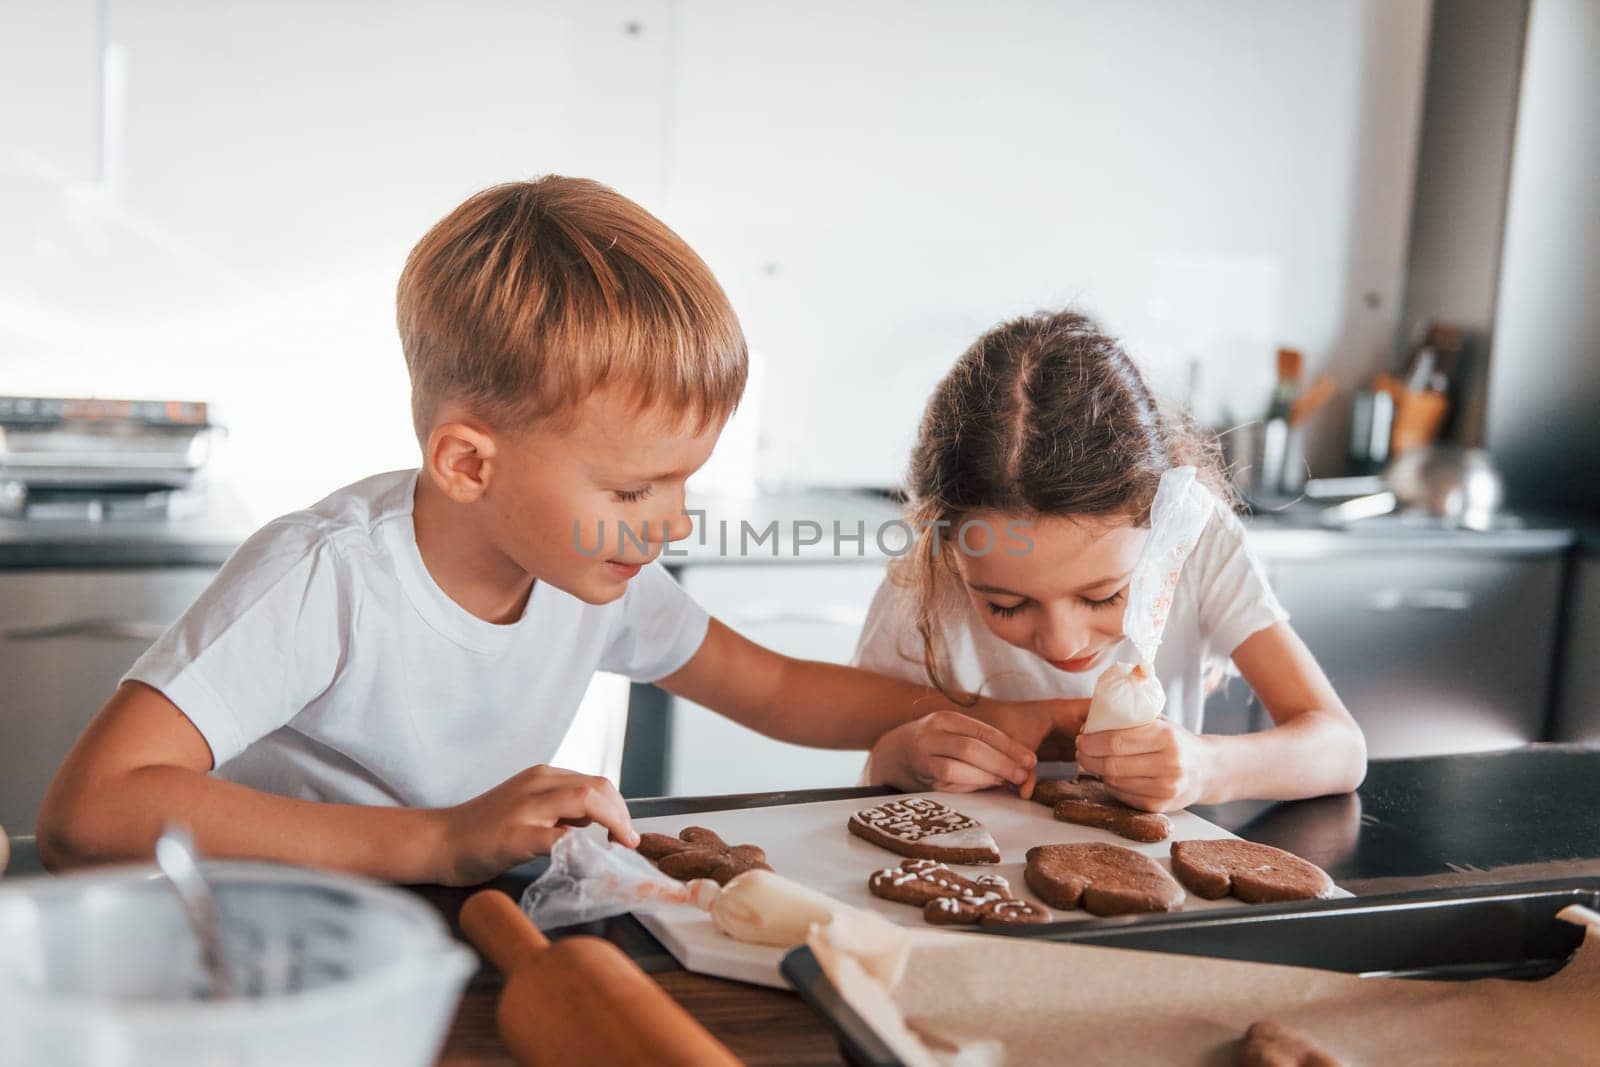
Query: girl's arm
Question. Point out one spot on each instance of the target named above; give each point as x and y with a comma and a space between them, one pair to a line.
828, 706
1313, 748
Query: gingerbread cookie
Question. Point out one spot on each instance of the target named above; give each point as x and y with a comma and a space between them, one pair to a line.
1087, 802
923, 828
1254, 873
948, 898
699, 853
1270, 1044
1101, 879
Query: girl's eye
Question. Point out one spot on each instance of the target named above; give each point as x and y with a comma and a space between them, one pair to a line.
1113, 599
631, 496
1004, 613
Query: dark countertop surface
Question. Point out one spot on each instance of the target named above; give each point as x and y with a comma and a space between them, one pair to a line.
1413, 820
1522, 815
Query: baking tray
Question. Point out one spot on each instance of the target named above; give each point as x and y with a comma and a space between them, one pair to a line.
1494, 931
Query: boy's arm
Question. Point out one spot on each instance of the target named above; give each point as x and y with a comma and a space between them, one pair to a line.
142, 764
828, 706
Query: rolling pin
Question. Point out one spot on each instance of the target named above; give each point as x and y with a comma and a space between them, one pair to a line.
581, 999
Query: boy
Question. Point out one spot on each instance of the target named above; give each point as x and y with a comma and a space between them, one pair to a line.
378, 679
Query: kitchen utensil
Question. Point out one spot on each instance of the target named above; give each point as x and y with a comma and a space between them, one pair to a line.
1371, 421
1290, 365
1277, 467
1460, 486
580, 1000
1307, 403
175, 856
99, 967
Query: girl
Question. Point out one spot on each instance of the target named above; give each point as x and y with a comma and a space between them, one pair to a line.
1031, 485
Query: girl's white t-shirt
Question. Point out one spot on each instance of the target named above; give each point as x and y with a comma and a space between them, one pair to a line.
1222, 598
325, 663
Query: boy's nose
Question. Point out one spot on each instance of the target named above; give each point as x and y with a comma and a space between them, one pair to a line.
678, 525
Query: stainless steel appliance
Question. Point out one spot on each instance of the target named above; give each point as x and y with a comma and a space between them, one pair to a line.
108, 531
96, 459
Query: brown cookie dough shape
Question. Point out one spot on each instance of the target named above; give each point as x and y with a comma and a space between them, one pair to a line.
1102, 879
923, 828
1270, 1044
1089, 803
699, 853
1253, 872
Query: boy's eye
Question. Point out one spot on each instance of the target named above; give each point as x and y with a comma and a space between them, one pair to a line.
1114, 598
631, 496
1004, 612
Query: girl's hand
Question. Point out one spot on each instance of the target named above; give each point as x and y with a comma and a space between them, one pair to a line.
523, 817
1047, 727
949, 752
1156, 767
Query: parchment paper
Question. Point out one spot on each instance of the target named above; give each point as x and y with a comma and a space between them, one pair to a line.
963, 1000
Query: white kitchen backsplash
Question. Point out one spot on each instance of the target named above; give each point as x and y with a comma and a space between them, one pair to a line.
873, 185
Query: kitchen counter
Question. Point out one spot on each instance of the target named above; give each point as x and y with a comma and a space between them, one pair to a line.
797, 526
732, 529
1516, 816
204, 539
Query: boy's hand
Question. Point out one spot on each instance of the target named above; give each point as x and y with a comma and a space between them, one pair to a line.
523, 817
950, 752
1157, 767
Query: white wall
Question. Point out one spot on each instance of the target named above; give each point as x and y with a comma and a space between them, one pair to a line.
875, 184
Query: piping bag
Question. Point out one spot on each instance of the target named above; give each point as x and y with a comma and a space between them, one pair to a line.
1129, 694
591, 879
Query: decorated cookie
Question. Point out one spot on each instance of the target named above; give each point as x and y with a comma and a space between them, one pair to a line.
1254, 873
1088, 803
923, 828
948, 898
699, 853
1101, 879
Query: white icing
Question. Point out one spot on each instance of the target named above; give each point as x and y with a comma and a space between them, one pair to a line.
1127, 694
972, 837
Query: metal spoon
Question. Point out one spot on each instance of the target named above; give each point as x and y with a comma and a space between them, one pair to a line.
175, 855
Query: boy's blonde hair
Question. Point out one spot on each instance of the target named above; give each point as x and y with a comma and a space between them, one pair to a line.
532, 294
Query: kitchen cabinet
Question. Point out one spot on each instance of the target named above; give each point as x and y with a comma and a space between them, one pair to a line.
1432, 652
807, 610
66, 637
1577, 716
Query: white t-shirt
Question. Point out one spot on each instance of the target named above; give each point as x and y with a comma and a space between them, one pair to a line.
1222, 598
325, 663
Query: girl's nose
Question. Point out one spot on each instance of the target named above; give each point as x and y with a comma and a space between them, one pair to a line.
1062, 635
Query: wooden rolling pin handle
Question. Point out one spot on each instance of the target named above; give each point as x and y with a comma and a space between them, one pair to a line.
581, 1000
493, 922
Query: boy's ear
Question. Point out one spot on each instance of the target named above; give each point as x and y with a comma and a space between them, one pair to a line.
460, 458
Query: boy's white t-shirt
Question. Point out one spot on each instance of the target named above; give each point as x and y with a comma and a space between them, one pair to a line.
325, 663
1222, 598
